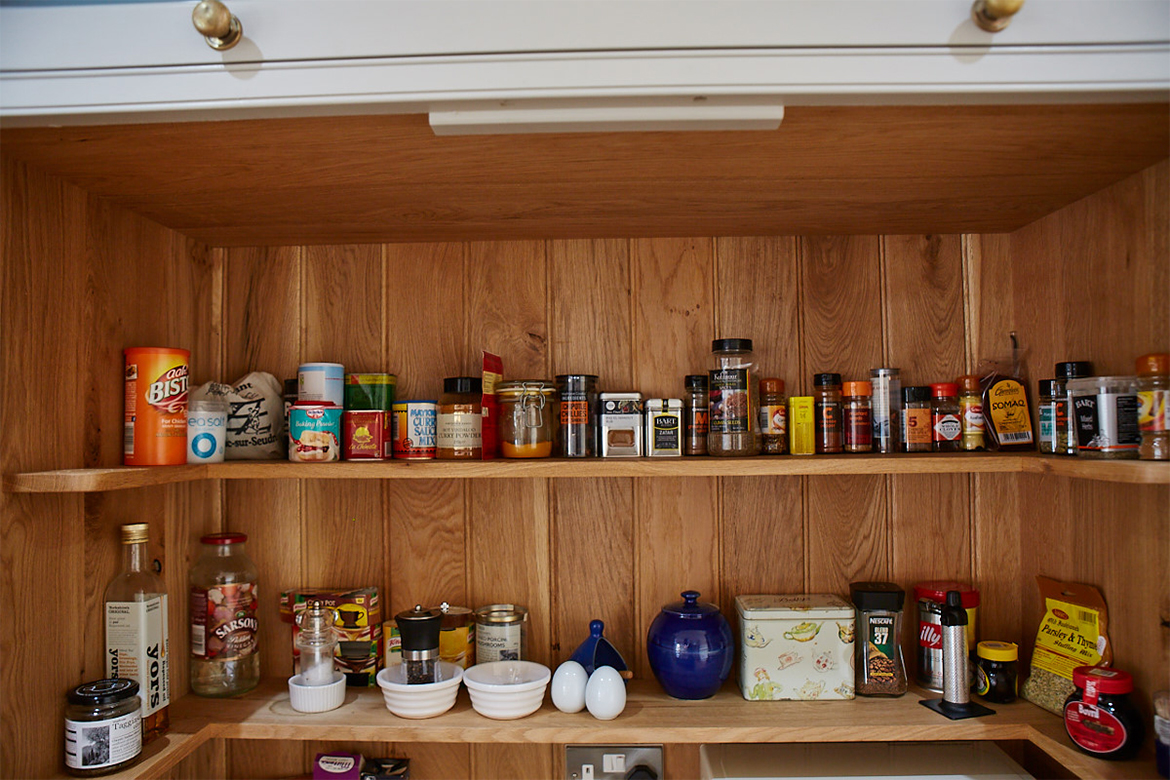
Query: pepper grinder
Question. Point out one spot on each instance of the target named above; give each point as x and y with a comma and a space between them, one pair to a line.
419, 629
956, 702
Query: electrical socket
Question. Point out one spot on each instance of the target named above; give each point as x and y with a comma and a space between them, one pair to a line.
613, 762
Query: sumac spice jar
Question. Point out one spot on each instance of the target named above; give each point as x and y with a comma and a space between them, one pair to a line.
857, 416
773, 417
827, 412
995, 671
1099, 717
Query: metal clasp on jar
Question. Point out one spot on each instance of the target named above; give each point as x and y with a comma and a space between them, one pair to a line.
532, 402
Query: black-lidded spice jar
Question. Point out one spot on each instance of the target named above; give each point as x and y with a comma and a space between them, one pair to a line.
103, 727
578, 405
995, 672
880, 670
1099, 717
696, 415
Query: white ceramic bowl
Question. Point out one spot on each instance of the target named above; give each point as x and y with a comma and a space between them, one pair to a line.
424, 700
505, 690
316, 698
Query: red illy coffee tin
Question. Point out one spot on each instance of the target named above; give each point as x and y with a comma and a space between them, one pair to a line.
155, 429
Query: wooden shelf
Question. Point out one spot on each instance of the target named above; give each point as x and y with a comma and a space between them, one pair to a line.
649, 717
121, 478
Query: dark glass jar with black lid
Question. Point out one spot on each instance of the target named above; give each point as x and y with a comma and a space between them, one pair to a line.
103, 727
1099, 717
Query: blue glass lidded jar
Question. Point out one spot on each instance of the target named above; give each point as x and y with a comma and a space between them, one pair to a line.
690, 648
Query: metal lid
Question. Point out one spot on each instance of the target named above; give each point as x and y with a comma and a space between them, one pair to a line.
936, 590
419, 628
135, 533
731, 345
109, 691
826, 380
798, 606
915, 394
501, 613
771, 385
462, 384
518, 387
696, 382
877, 596
1071, 369
885, 371
690, 606
224, 538
1047, 387
944, 389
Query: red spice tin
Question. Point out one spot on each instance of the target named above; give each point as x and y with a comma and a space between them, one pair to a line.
366, 435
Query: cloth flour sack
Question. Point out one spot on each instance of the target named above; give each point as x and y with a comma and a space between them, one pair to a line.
255, 424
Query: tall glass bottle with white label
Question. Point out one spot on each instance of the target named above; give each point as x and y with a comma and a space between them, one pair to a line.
137, 642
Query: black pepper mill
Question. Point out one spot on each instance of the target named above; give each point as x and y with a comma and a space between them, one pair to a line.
956, 702
419, 629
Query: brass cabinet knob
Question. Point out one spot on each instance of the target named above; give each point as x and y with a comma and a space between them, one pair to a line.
215, 23
994, 15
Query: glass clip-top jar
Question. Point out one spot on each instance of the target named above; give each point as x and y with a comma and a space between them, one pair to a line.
528, 421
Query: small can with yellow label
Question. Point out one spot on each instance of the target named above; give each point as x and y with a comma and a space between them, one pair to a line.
801, 425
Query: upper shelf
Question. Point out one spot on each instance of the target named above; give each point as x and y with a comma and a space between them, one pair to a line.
649, 717
100, 480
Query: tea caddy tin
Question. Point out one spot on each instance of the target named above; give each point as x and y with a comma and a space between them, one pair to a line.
796, 646
620, 425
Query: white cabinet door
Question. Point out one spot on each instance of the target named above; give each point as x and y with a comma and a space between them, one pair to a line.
120, 61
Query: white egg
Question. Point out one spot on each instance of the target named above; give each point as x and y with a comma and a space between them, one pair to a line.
605, 695
568, 687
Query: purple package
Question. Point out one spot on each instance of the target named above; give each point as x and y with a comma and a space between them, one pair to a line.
337, 766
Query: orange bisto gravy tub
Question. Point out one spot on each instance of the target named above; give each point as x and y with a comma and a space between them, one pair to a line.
155, 429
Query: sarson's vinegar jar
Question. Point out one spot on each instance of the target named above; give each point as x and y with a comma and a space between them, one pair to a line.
735, 400
225, 658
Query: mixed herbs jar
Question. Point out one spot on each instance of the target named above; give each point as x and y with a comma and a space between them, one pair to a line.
578, 405
1066, 420
103, 727
1106, 411
528, 420
734, 399
995, 671
1099, 717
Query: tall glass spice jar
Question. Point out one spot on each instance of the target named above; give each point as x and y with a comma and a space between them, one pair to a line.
696, 411
773, 417
137, 632
1154, 405
916, 434
880, 668
1066, 419
944, 417
734, 399
1046, 406
857, 416
578, 404
970, 413
827, 412
459, 423
225, 657
887, 409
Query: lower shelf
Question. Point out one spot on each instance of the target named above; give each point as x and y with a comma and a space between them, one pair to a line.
650, 717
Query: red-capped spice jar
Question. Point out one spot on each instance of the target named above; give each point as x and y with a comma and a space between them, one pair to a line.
857, 416
930, 597
1099, 717
945, 424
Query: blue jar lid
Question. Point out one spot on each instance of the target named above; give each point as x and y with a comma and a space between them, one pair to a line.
690, 606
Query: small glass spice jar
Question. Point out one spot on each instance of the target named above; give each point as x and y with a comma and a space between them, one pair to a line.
1066, 419
880, 669
1046, 405
528, 422
827, 412
1154, 405
887, 409
995, 671
916, 433
734, 399
459, 423
773, 417
1099, 717
857, 416
970, 413
103, 727
696, 411
946, 429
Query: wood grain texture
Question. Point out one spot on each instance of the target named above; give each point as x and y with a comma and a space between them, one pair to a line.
757, 289
209, 760
268, 760
513, 762
762, 538
438, 760
508, 553
913, 169
593, 569
425, 532
847, 537
507, 305
590, 303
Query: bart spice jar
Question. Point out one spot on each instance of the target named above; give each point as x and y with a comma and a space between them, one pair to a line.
916, 428
664, 427
412, 428
801, 425
620, 425
1106, 410
887, 409
1065, 420
827, 412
